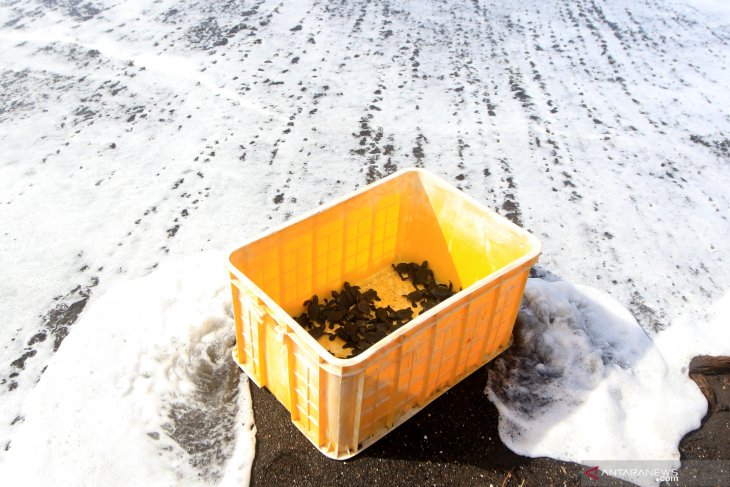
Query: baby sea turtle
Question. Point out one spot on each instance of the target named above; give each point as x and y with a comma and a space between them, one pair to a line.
403, 269
415, 296
441, 292
313, 308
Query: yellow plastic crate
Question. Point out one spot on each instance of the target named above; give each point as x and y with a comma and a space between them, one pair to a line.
345, 405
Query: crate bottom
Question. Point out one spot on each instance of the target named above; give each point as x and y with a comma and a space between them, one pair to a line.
391, 290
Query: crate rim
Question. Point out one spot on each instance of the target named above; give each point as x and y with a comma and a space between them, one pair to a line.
391, 340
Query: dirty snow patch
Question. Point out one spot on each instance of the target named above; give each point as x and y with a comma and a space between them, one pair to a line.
584, 383
144, 392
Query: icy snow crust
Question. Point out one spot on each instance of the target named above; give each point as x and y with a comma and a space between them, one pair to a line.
143, 392
134, 132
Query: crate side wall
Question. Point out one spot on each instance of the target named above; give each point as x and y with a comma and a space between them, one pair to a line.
440, 353
380, 385
478, 240
274, 356
347, 242
421, 237
305, 390
250, 333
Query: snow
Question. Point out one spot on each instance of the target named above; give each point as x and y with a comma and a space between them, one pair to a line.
585, 383
124, 400
714, 7
135, 133
686, 339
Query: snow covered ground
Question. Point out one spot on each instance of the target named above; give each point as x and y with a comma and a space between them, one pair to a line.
144, 391
134, 134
